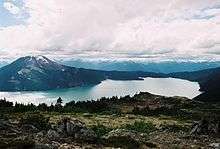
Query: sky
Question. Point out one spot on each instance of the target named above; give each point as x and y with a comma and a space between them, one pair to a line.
111, 29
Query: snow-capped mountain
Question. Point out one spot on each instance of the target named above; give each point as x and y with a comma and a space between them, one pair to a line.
40, 73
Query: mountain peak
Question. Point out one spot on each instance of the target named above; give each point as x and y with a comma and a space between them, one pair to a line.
36, 58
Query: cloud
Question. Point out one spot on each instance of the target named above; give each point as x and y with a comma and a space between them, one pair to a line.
159, 29
11, 7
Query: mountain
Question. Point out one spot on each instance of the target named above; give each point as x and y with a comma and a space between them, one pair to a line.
209, 81
34, 73
40, 73
130, 65
3, 63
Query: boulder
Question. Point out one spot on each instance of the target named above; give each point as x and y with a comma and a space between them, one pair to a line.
124, 138
69, 127
207, 127
86, 135
75, 128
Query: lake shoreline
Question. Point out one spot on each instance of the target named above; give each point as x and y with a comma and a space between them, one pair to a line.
108, 88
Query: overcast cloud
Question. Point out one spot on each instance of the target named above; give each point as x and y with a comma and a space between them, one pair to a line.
140, 29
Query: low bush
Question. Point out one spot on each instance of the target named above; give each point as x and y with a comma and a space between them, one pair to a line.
17, 143
174, 127
101, 130
36, 119
140, 126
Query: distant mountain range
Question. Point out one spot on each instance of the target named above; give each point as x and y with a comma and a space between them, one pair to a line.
129, 65
35, 73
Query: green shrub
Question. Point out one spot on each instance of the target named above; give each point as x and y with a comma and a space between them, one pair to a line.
123, 142
140, 126
174, 127
17, 143
36, 119
101, 130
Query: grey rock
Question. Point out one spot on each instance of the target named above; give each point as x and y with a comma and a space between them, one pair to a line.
70, 127
29, 128
6, 126
40, 136
87, 115
205, 126
86, 135
215, 145
123, 133
69, 146
53, 135
75, 128
124, 138
44, 146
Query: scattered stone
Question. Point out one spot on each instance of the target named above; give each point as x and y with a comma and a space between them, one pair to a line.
6, 126
87, 115
68, 146
215, 145
29, 128
40, 134
130, 116
55, 144
22, 142
44, 146
53, 135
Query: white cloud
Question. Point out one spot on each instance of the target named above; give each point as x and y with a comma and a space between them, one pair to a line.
120, 29
11, 7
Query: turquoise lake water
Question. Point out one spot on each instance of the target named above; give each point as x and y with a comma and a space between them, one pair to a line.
109, 88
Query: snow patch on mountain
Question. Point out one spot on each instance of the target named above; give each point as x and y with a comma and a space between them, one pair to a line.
24, 71
42, 59
31, 68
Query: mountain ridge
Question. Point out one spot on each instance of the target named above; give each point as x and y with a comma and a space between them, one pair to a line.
35, 73
208, 79
130, 65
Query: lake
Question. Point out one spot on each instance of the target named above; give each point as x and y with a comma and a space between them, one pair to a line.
109, 88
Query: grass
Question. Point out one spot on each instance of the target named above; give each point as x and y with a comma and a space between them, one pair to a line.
36, 119
175, 127
140, 126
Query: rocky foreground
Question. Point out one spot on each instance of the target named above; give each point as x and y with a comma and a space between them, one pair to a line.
142, 121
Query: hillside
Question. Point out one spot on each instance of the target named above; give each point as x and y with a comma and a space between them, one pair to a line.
142, 121
209, 80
